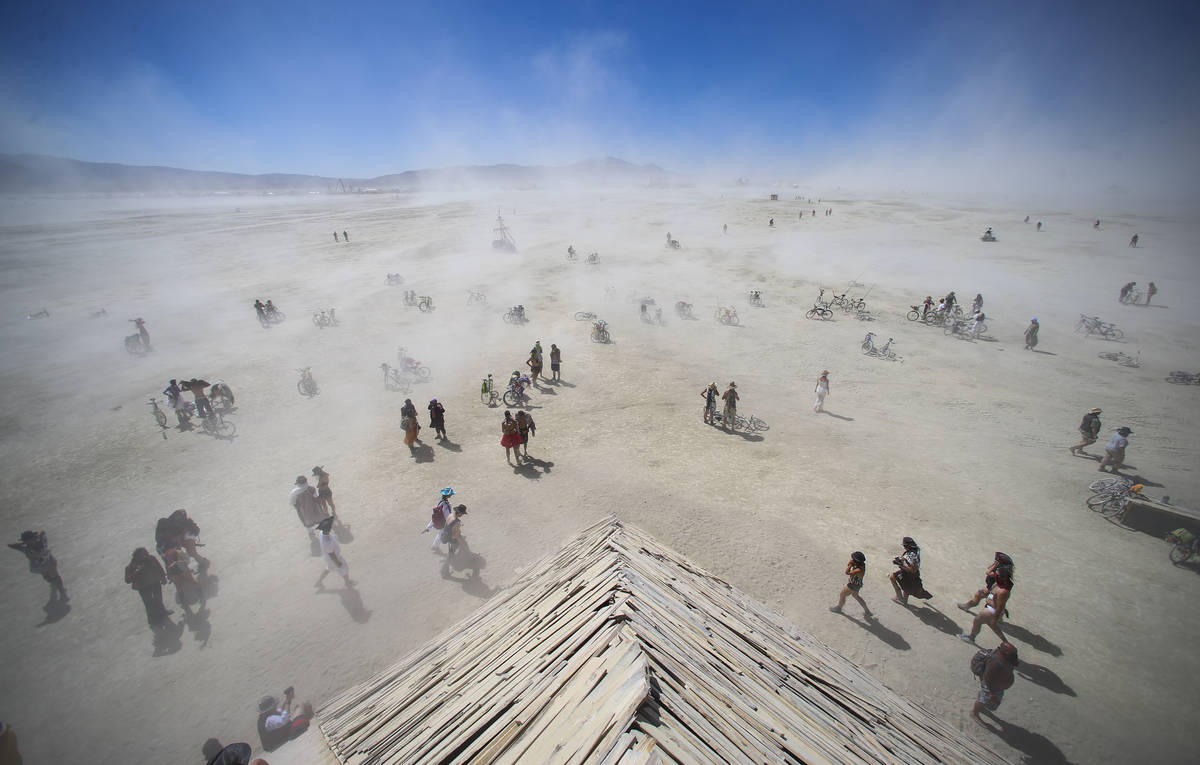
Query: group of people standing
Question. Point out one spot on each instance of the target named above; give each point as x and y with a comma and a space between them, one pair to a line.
1114, 450
730, 398
176, 538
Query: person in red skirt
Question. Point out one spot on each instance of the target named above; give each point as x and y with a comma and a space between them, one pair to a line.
511, 437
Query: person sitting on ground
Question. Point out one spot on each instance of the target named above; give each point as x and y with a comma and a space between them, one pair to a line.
279, 723
234, 754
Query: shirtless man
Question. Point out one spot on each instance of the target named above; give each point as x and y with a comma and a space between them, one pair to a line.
997, 678
993, 608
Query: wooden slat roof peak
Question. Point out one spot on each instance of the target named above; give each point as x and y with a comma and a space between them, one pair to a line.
617, 650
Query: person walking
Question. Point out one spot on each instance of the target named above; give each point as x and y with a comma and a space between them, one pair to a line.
345, 236
440, 517
335, 236
822, 390
995, 678
555, 362
452, 535
1133, 240
856, 569
331, 554
36, 549
1126, 290
146, 575
308, 509
1089, 430
437, 418
534, 362
1151, 290
510, 437
261, 310
995, 603
709, 395
408, 421
977, 327
1031, 334
730, 397
527, 428
324, 493
989, 579
1114, 450
906, 580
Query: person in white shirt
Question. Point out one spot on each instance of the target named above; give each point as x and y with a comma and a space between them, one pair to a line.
331, 554
304, 499
1114, 450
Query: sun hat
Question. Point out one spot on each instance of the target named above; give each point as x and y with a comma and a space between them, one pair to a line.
1125, 431
267, 703
824, 371
1097, 410
858, 557
908, 542
732, 384
447, 492
1034, 320
460, 509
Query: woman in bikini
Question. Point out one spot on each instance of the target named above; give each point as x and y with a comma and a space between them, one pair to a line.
324, 493
511, 437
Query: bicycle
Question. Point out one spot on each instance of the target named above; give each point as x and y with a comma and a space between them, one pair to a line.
393, 280
515, 394
273, 314
592, 259
819, 311
1123, 359
476, 298
1185, 544
727, 316
159, 416
425, 304
393, 380
1109, 484
600, 332
571, 254
584, 316
1183, 378
915, 314
1114, 501
749, 424
684, 310
515, 315
869, 348
1132, 297
306, 385
216, 425
322, 319
756, 299
1092, 325
487, 391
411, 366
139, 344
963, 328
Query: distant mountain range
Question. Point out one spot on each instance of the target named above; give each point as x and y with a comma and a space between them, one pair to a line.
36, 173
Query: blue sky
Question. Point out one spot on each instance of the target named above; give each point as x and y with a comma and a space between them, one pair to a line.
359, 89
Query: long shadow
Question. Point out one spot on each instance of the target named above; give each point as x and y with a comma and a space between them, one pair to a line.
466, 561
1044, 353
876, 628
55, 610
1033, 640
548, 391
564, 383
530, 466
166, 638
352, 602
1036, 747
421, 452
837, 416
1045, 677
342, 531
210, 585
935, 618
1144, 481
449, 445
198, 624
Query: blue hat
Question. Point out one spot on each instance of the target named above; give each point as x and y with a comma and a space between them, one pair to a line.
1034, 320
447, 492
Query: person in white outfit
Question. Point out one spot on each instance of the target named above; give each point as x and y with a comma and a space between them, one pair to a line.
441, 516
822, 391
331, 553
977, 328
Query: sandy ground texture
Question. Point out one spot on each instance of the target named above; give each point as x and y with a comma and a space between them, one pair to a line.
961, 444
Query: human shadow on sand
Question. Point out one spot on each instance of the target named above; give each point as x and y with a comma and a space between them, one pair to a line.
1044, 353
198, 624
876, 628
1036, 747
55, 610
422, 452
1032, 639
448, 445
210, 584
934, 618
470, 564
1045, 677
351, 601
342, 531
837, 416
532, 467
166, 638
563, 383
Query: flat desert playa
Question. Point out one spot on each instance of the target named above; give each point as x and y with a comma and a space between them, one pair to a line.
961, 444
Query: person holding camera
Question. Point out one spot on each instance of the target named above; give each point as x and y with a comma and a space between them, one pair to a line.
279, 723
906, 580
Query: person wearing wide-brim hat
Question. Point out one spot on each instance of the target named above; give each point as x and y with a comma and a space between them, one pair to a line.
822, 390
730, 397
1089, 429
1114, 450
856, 569
709, 395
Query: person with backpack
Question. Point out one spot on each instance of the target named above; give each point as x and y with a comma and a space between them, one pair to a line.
856, 569
1089, 428
995, 672
441, 515
36, 549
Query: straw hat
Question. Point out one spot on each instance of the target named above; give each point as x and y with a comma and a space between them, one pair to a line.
1094, 411
732, 384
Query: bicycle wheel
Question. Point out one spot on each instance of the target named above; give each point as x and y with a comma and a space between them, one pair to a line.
1106, 484
584, 315
161, 419
913, 315
604, 338
510, 398
812, 314
758, 425
221, 428
423, 372
276, 317
1109, 356
1182, 551
733, 320
1114, 507
425, 306
508, 318
1096, 501
317, 321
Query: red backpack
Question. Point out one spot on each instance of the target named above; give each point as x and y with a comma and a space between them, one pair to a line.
439, 519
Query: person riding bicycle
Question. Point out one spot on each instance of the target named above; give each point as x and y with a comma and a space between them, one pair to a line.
271, 310
261, 310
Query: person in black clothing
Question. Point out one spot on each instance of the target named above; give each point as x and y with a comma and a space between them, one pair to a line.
437, 418
1089, 429
146, 575
35, 547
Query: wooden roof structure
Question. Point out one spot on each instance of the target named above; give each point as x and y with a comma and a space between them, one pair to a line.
617, 650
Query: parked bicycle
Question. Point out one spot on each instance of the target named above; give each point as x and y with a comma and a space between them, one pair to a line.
487, 391
600, 332
684, 310
1184, 545
476, 298
869, 348
749, 424
216, 425
1183, 378
515, 315
1114, 500
159, 416
515, 395
139, 344
307, 385
819, 311
394, 280
323, 319
964, 328
756, 299
727, 316
425, 304
410, 366
273, 314
1123, 359
393, 380
584, 316
1092, 325
1132, 297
